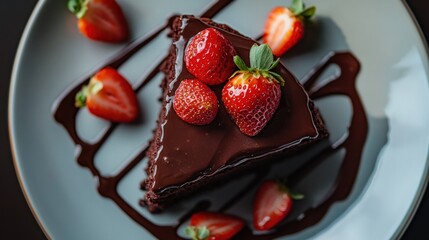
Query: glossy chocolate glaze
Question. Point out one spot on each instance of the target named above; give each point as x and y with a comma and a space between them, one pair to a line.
65, 114
189, 153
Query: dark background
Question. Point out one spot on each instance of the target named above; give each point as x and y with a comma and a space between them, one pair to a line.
16, 220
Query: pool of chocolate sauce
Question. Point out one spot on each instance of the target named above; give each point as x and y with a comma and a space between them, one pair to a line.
345, 85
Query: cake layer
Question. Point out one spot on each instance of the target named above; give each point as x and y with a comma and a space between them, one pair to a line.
184, 157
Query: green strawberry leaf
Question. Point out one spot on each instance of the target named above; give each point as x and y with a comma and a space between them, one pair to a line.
254, 61
191, 232
294, 195
274, 64
197, 233
309, 12
78, 7
203, 233
261, 57
80, 98
297, 7
92, 88
240, 63
278, 77
267, 57
261, 63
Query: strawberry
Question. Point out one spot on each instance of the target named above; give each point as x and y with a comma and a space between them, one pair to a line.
109, 96
209, 57
101, 20
272, 203
284, 26
252, 95
195, 103
213, 226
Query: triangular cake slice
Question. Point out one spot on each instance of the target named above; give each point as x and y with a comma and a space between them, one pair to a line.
185, 157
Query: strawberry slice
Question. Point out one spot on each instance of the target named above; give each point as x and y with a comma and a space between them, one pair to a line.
272, 203
101, 20
252, 95
284, 26
110, 96
213, 226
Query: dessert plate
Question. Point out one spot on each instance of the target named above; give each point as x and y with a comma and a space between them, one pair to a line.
392, 85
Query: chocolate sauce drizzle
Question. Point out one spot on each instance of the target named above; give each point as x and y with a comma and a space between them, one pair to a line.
65, 114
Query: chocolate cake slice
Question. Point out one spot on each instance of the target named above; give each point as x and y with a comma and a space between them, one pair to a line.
185, 157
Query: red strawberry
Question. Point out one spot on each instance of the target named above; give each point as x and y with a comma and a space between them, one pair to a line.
109, 96
213, 226
252, 95
272, 203
195, 103
209, 57
101, 20
284, 26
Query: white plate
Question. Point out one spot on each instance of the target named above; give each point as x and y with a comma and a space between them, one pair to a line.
393, 85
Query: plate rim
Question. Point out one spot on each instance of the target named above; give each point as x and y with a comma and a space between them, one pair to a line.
405, 222
423, 187
12, 88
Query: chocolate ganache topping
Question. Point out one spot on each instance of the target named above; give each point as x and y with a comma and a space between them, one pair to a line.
187, 150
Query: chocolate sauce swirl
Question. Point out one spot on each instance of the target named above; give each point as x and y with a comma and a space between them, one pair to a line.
65, 114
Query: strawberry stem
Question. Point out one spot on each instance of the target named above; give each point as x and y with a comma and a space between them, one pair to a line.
197, 233
298, 8
92, 89
78, 7
80, 99
294, 195
261, 63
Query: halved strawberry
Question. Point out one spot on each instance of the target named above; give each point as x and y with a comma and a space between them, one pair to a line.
252, 95
110, 96
284, 26
272, 203
213, 226
209, 57
101, 20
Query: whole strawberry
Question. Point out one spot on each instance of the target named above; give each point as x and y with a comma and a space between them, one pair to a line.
253, 94
195, 103
209, 57
284, 26
101, 20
